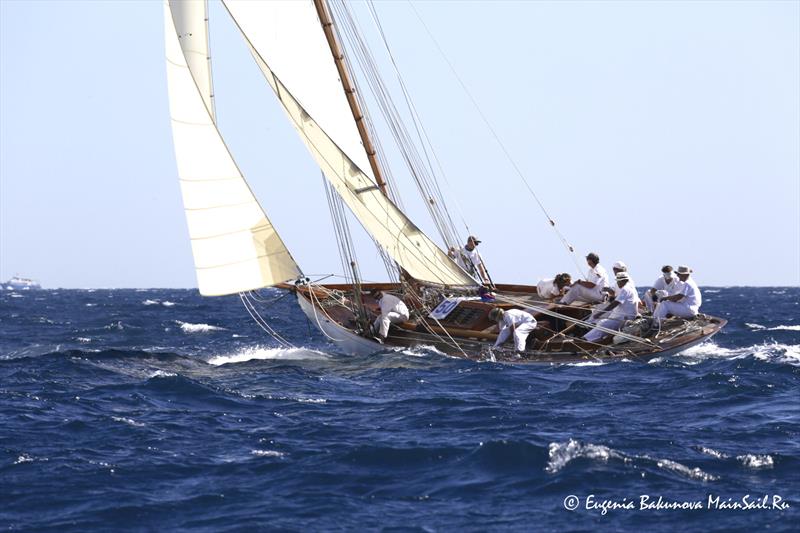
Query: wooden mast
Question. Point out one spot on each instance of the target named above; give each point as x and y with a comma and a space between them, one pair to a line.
350, 92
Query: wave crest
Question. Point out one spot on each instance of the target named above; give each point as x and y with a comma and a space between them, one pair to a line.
261, 353
188, 327
771, 352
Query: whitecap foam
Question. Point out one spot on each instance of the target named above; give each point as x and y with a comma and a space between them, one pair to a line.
756, 461
562, 453
793, 327
162, 374
188, 327
150, 302
24, 458
258, 352
712, 452
167, 303
83, 339
422, 350
90, 305
692, 473
588, 363
127, 421
755, 327
771, 352
267, 453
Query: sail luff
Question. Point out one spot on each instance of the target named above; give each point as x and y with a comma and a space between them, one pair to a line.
399, 237
234, 245
291, 34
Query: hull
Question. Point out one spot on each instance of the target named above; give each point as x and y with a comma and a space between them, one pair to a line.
337, 322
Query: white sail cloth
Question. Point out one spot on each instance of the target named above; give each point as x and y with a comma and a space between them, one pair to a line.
234, 245
289, 45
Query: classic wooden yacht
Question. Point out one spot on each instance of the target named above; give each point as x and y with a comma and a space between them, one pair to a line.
300, 48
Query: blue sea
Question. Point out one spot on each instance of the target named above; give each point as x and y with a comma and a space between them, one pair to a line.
160, 410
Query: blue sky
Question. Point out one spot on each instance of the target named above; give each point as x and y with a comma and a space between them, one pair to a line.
654, 132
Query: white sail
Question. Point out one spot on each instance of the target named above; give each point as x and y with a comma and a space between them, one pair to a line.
288, 43
235, 246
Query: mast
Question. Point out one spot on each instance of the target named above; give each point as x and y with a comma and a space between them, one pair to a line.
350, 91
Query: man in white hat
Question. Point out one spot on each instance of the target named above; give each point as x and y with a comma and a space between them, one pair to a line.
666, 285
520, 322
470, 260
591, 289
618, 267
624, 307
393, 311
685, 303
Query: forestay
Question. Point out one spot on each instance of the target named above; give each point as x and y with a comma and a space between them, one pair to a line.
235, 246
289, 46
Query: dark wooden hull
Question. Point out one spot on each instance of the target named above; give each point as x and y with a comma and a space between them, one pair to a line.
470, 334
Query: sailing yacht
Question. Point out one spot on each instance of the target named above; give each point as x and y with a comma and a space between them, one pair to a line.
298, 47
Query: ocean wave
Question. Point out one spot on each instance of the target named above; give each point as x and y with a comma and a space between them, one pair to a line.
423, 350
692, 473
127, 421
167, 303
756, 461
750, 460
712, 452
258, 352
266, 453
562, 453
161, 374
772, 352
150, 302
759, 327
188, 327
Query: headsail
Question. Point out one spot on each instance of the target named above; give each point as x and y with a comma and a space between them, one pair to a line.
235, 246
288, 44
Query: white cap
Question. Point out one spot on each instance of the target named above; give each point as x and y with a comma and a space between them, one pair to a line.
619, 265
683, 269
622, 276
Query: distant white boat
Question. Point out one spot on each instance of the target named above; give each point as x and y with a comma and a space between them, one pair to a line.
22, 284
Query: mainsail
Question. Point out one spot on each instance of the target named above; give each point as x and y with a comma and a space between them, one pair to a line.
234, 245
289, 46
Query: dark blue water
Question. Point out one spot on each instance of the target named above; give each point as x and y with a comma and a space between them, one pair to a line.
162, 410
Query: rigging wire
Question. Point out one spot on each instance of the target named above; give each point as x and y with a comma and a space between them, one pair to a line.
570, 249
420, 172
263, 324
422, 134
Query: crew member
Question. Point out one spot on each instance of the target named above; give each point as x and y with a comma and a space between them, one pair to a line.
685, 303
470, 260
393, 311
666, 285
556, 287
520, 322
622, 308
590, 290
616, 268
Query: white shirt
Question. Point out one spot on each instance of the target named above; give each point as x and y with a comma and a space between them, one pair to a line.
673, 287
628, 299
599, 277
691, 293
513, 318
516, 317
469, 260
390, 303
547, 288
